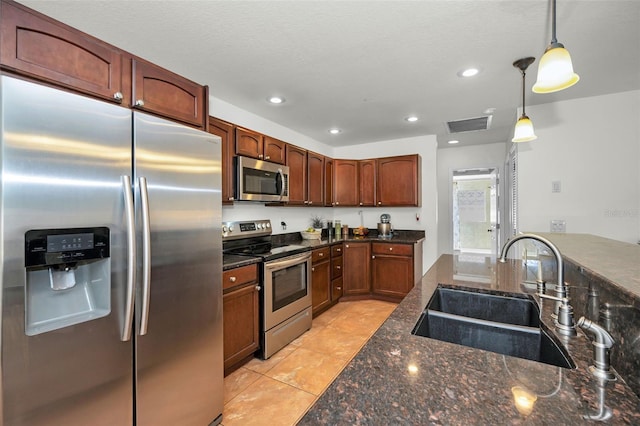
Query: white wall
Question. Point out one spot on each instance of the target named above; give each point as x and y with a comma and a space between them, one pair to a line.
450, 159
592, 146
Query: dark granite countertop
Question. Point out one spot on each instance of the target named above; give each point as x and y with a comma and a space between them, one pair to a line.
231, 261
399, 378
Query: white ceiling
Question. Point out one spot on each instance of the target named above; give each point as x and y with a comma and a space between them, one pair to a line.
363, 66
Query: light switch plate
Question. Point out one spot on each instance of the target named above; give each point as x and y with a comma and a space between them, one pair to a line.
558, 226
556, 186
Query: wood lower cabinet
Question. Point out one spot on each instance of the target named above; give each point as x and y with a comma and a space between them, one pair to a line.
336, 272
392, 269
320, 280
226, 131
398, 181
241, 315
345, 183
356, 276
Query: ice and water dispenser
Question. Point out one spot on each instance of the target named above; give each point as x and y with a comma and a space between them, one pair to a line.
68, 277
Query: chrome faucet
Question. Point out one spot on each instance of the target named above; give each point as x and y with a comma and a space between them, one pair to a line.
601, 346
562, 310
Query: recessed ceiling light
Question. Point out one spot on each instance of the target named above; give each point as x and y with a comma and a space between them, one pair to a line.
411, 119
335, 131
469, 72
276, 100
453, 142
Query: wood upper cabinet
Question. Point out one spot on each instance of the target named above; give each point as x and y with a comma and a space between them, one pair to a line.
297, 162
398, 181
162, 92
328, 181
261, 147
320, 280
367, 182
274, 150
345, 183
240, 311
356, 275
40, 47
392, 273
249, 143
226, 132
315, 179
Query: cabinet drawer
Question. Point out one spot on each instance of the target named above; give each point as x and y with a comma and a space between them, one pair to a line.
239, 276
336, 250
319, 255
336, 289
389, 248
336, 267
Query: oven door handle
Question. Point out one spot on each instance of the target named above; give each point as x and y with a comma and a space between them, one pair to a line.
275, 265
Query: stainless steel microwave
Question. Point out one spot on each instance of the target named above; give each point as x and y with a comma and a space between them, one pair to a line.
258, 180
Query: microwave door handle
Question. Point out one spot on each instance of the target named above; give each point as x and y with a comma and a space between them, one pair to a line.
280, 182
131, 258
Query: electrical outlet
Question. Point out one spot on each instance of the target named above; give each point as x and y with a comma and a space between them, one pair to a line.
556, 186
558, 225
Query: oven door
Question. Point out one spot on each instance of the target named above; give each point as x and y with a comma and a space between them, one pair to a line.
287, 288
259, 180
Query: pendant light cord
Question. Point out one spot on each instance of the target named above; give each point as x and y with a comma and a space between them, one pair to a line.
554, 40
523, 75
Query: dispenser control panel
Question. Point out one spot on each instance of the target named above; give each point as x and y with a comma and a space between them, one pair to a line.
55, 246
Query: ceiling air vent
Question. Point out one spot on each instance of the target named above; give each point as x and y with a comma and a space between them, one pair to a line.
469, 125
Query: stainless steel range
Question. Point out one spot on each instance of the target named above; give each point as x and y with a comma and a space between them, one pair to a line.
286, 281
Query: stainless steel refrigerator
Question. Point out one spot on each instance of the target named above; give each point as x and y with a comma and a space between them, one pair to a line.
111, 264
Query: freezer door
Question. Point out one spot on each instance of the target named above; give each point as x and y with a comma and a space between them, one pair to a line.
179, 331
62, 156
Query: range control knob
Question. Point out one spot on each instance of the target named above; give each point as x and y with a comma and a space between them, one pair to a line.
230, 228
224, 229
268, 225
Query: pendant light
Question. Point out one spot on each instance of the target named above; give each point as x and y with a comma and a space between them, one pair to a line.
555, 70
524, 127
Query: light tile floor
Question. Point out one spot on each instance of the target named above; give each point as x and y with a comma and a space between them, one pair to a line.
280, 390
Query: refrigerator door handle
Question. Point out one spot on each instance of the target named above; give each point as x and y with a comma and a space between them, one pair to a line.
131, 257
146, 255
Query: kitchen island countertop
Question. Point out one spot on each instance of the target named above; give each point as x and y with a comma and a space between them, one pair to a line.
399, 378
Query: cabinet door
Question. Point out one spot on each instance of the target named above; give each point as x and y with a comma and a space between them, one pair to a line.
249, 143
328, 181
398, 181
320, 286
297, 162
162, 92
39, 47
315, 179
367, 181
345, 182
274, 150
226, 133
356, 274
240, 319
392, 276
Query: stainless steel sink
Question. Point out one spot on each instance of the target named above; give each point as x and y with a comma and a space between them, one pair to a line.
508, 324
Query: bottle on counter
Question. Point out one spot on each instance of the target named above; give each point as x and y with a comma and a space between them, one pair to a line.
337, 227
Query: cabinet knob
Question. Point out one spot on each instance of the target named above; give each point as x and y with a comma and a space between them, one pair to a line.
139, 103
313, 269
338, 267
258, 288
260, 156
338, 249
306, 202
232, 279
390, 248
267, 157
379, 203
337, 203
118, 96
338, 288
309, 202
373, 257
231, 199
347, 246
321, 254
360, 203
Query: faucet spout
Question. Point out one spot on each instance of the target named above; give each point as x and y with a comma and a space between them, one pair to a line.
564, 323
602, 343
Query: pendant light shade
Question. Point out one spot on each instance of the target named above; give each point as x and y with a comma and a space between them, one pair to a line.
555, 70
524, 127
